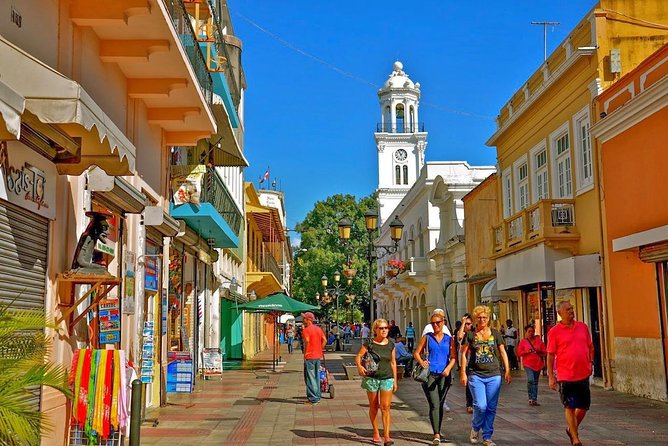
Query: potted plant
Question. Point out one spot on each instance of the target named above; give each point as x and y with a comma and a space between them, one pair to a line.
394, 267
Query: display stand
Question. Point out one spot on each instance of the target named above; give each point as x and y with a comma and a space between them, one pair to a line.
66, 283
212, 363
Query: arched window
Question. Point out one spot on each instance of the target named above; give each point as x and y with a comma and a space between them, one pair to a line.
405, 174
411, 119
412, 240
397, 174
420, 239
387, 125
400, 118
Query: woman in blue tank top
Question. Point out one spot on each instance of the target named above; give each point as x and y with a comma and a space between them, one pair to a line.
441, 356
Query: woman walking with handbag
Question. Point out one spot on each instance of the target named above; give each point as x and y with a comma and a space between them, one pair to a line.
482, 372
377, 365
441, 357
532, 351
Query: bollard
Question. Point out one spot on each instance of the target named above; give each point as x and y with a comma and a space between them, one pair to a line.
135, 413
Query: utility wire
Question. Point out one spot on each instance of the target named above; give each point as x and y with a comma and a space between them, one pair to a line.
349, 74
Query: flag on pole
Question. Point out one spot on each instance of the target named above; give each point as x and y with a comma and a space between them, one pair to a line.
265, 177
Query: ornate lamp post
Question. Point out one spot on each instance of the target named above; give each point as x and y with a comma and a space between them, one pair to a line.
373, 250
337, 292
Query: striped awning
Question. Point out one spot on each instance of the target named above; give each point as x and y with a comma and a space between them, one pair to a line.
269, 222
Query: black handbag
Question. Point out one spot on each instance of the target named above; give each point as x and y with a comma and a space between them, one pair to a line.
370, 360
419, 373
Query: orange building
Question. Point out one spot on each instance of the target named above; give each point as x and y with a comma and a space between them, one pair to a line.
631, 134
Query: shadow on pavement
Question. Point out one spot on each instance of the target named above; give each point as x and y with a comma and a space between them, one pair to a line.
324, 434
364, 435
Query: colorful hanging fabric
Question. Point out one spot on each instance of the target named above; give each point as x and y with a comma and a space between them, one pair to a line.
123, 394
107, 388
98, 413
115, 390
88, 429
83, 376
73, 371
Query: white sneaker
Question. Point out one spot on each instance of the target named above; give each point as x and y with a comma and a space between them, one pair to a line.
488, 443
445, 406
475, 435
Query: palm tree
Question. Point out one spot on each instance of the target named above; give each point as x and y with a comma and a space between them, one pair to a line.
23, 369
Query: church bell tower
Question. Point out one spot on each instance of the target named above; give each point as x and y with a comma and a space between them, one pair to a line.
400, 140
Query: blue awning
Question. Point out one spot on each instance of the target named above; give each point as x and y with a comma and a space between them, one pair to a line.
207, 222
220, 86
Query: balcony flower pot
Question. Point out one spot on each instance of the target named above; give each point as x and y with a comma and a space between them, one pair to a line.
349, 273
392, 273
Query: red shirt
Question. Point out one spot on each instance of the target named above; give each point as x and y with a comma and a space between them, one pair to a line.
313, 348
571, 346
532, 357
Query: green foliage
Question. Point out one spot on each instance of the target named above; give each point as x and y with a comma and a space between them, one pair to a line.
325, 253
23, 349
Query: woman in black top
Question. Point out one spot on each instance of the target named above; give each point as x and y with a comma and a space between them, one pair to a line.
381, 384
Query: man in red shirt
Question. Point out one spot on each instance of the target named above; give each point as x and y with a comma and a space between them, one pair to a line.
314, 342
570, 353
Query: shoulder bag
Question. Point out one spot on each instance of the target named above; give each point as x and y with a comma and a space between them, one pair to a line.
419, 373
369, 361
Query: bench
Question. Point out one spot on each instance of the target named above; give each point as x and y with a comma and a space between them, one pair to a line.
330, 347
346, 346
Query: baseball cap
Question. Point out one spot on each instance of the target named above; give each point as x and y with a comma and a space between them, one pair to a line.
308, 315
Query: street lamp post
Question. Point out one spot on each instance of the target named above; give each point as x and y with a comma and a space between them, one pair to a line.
337, 292
373, 251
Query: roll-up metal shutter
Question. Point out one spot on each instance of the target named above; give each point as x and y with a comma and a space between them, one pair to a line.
23, 251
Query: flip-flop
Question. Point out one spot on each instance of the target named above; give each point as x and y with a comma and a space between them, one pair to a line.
376, 439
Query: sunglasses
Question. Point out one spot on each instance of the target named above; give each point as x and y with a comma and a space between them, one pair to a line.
383, 328
437, 322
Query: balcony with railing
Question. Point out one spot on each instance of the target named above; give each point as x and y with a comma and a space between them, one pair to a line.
269, 264
549, 221
398, 127
203, 201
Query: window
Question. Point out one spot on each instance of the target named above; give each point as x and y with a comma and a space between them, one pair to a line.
507, 193
421, 239
400, 118
584, 162
541, 189
405, 174
562, 163
522, 173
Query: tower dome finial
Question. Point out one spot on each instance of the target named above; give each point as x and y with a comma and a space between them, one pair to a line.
398, 66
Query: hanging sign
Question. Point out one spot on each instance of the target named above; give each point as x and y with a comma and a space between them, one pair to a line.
148, 353
109, 319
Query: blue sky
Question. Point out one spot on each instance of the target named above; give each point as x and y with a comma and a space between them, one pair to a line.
313, 69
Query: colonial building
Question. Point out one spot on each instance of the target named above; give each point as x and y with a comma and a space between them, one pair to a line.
630, 135
548, 242
427, 199
133, 112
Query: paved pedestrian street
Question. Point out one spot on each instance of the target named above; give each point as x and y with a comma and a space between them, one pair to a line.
252, 405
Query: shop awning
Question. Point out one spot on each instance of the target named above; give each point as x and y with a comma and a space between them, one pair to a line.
491, 294
12, 105
269, 222
56, 99
117, 191
207, 222
578, 272
227, 149
529, 266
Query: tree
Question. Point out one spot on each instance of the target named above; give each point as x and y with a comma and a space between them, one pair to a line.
23, 349
321, 252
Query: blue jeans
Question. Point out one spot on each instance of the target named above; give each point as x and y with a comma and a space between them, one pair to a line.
532, 383
485, 393
291, 340
312, 379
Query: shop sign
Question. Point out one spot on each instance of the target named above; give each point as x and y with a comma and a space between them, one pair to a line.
148, 353
110, 321
187, 184
129, 283
163, 329
151, 267
27, 179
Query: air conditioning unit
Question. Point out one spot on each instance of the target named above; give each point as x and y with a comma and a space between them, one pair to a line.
562, 216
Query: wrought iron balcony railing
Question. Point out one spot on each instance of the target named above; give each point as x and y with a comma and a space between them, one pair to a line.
406, 127
215, 192
183, 26
270, 265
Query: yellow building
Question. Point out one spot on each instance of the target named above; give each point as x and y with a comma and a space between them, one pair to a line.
548, 243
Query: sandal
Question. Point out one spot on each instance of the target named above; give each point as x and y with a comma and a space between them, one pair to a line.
376, 439
436, 441
391, 442
570, 437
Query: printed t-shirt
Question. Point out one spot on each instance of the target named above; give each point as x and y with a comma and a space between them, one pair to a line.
314, 334
570, 345
532, 359
383, 354
484, 353
410, 332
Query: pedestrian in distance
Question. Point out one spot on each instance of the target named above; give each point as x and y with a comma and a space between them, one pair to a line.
381, 384
314, 342
510, 338
402, 355
410, 337
570, 358
532, 351
465, 325
440, 359
482, 372
364, 331
290, 336
394, 330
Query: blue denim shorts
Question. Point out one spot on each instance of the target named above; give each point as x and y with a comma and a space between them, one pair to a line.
373, 385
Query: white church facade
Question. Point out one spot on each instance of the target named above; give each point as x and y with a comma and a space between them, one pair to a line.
427, 198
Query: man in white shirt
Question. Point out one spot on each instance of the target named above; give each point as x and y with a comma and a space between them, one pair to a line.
510, 337
365, 331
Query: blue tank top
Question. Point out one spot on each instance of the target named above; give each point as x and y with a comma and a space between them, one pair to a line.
439, 352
